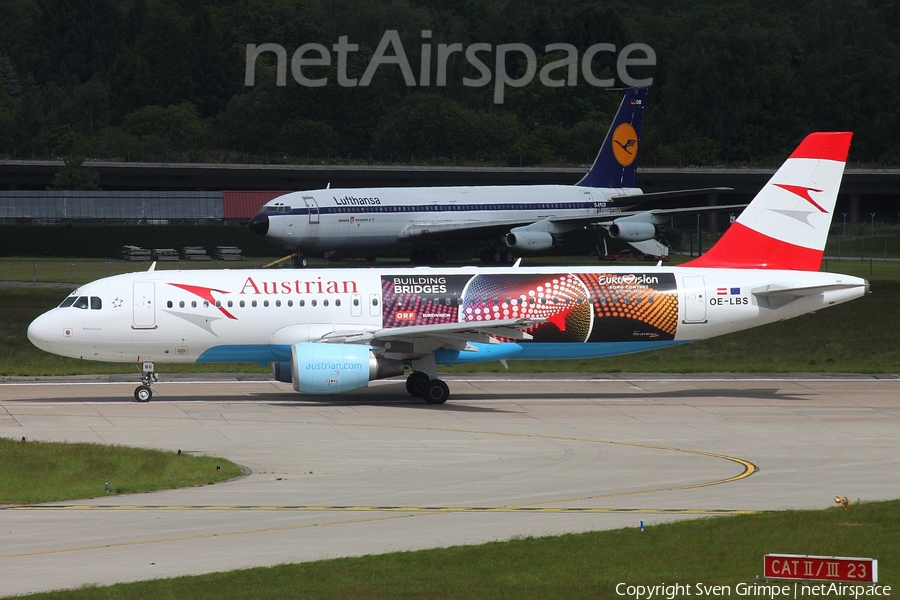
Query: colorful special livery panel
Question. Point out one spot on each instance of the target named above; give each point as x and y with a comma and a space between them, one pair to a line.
566, 307
332, 331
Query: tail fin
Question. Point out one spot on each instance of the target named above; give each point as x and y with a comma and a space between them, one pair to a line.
616, 163
786, 225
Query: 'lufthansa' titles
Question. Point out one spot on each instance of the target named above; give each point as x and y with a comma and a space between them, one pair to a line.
356, 201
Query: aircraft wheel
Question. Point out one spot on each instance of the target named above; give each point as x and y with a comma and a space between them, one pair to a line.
436, 392
299, 262
142, 393
416, 382
496, 257
508, 257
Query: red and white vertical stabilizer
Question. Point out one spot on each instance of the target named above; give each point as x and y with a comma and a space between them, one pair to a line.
786, 225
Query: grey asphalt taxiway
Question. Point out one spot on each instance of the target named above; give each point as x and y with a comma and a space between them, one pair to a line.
376, 471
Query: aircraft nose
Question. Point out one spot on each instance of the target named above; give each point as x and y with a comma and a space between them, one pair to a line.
259, 224
39, 332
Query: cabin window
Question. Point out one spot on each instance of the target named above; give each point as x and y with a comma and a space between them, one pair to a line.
278, 303
301, 303
374, 301
230, 304
68, 302
266, 303
205, 304
168, 304
193, 304
181, 304
356, 302
337, 302
312, 303
253, 303
96, 303
241, 304
218, 304
290, 302
325, 302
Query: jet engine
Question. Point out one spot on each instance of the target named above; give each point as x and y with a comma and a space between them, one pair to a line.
318, 368
529, 241
632, 231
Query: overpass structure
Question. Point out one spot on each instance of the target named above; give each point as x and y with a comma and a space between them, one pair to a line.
863, 192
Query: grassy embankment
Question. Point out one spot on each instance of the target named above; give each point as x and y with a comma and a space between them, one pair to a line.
36, 472
588, 565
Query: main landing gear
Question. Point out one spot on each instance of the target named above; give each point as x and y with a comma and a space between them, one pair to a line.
498, 256
433, 391
143, 393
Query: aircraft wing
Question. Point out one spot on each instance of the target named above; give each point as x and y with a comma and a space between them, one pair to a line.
420, 339
479, 229
672, 194
654, 212
456, 229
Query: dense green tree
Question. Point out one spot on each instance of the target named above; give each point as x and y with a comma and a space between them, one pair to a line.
302, 137
734, 81
73, 175
175, 127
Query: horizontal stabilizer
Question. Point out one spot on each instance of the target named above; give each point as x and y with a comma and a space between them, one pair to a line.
776, 296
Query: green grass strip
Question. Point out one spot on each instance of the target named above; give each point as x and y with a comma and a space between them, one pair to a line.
714, 551
34, 472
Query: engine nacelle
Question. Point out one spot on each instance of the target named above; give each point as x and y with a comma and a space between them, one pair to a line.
318, 368
529, 241
632, 231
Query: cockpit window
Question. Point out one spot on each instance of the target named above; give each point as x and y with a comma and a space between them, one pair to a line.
82, 302
96, 303
68, 302
278, 207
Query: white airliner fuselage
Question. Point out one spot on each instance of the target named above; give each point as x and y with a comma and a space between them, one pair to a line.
254, 315
322, 220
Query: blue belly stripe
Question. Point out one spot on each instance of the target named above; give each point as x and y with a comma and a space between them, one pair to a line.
265, 353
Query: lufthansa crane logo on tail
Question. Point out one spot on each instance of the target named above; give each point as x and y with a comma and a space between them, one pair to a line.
625, 144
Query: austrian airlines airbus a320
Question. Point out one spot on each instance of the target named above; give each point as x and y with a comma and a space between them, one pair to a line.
335, 330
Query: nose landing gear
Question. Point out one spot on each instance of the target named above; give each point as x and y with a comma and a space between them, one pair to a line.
143, 393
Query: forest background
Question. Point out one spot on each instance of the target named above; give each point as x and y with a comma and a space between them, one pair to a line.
164, 80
